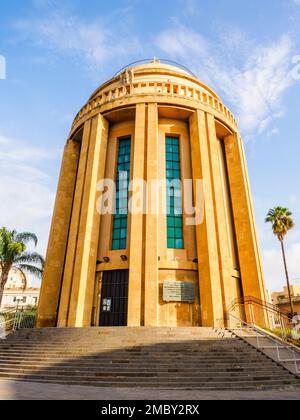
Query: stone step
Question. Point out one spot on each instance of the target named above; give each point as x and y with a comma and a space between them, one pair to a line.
125, 342
119, 330
152, 383
127, 352
107, 335
206, 387
222, 345
155, 346
134, 348
131, 348
127, 355
149, 359
175, 380
118, 340
184, 358
146, 368
267, 364
173, 337
158, 376
172, 373
139, 340
137, 370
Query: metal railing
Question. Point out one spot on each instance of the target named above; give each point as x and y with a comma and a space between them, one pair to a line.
249, 331
23, 320
252, 300
14, 319
262, 314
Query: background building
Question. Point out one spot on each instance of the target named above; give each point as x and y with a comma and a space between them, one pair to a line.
281, 299
152, 122
16, 292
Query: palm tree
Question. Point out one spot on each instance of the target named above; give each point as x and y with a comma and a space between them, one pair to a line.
282, 222
13, 254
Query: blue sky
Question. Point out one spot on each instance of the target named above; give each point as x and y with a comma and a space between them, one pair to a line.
58, 52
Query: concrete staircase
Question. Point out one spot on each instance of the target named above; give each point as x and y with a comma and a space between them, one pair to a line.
186, 358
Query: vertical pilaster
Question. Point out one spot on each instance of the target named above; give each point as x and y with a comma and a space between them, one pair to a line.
247, 241
136, 251
209, 268
89, 226
225, 260
151, 237
52, 278
73, 235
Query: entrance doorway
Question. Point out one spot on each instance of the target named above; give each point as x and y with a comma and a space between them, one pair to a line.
114, 299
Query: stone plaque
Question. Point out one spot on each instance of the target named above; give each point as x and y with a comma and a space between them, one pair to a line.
179, 291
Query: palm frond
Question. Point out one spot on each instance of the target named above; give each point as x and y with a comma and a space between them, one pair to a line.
30, 257
281, 220
26, 237
30, 269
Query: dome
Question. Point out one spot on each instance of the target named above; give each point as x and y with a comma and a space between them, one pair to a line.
157, 70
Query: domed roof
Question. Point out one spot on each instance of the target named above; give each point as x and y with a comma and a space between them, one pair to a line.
154, 81
156, 63
157, 70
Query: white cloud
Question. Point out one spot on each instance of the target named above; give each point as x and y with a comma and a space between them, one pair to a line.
271, 250
16, 151
183, 44
274, 268
91, 42
26, 193
253, 78
189, 8
43, 4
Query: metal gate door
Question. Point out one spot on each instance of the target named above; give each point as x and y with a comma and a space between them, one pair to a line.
114, 299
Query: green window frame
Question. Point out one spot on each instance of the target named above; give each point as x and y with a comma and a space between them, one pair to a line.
174, 194
120, 223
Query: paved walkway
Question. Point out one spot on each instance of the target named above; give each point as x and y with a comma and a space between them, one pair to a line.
10, 390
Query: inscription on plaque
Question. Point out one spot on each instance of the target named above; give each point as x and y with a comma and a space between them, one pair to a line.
179, 291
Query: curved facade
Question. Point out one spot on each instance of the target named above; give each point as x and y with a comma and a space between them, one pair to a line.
153, 122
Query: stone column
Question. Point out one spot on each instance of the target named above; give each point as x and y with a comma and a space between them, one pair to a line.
151, 228
247, 241
88, 233
52, 278
73, 235
225, 260
206, 236
136, 252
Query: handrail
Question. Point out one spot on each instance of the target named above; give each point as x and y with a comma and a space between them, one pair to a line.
266, 334
15, 319
11, 309
263, 304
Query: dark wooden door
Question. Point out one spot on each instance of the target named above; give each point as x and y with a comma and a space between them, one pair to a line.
114, 299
